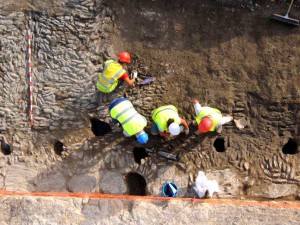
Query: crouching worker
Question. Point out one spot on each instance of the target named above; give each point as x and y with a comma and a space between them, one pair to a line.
209, 119
167, 122
133, 123
114, 71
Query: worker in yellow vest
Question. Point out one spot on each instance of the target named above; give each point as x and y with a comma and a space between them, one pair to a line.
133, 123
167, 122
209, 119
114, 71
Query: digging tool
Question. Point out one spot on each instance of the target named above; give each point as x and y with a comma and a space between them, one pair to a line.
148, 80
286, 19
170, 156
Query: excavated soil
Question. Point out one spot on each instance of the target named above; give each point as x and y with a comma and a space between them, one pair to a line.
227, 54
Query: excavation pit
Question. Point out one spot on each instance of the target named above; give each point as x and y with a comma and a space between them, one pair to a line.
290, 148
136, 184
58, 147
5, 148
219, 144
139, 154
99, 128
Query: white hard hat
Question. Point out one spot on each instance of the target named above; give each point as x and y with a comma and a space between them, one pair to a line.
174, 129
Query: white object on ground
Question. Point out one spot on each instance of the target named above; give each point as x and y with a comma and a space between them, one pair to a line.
241, 123
135, 74
212, 187
203, 184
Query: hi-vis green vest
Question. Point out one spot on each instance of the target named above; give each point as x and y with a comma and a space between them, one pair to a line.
162, 114
131, 121
213, 113
108, 79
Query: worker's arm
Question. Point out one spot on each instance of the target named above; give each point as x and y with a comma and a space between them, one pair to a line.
225, 119
164, 134
129, 81
197, 107
183, 122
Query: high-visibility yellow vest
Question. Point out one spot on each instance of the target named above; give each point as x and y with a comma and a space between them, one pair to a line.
162, 114
213, 113
131, 121
108, 79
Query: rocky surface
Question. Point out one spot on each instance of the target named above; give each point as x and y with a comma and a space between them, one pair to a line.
226, 54
38, 210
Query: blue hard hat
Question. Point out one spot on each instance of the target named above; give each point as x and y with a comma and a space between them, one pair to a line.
142, 138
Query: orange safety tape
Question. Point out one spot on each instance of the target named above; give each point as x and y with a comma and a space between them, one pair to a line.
272, 204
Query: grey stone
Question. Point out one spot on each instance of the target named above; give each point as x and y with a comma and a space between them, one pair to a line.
82, 183
112, 182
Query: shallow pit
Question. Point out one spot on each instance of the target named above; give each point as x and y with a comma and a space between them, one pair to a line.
139, 154
58, 147
99, 128
219, 144
136, 184
290, 148
5, 148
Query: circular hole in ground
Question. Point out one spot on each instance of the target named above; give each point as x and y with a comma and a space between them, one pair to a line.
99, 128
290, 147
139, 154
136, 184
58, 147
219, 144
5, 148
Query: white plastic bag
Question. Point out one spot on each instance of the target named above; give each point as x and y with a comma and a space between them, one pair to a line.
212, 187
203, 184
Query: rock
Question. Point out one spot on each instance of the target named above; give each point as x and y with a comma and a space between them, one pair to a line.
111, 183
82, 183
277, 190
228, 182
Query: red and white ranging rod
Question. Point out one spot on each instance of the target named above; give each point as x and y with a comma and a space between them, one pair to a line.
30, 78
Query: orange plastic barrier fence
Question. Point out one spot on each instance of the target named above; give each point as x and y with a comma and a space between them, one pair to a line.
280, 204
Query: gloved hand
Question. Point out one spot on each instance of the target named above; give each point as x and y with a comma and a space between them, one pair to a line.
134, 74
187, 131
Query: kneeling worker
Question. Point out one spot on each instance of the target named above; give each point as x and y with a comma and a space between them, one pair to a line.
167, 122
209, 119
133, 123
114, 71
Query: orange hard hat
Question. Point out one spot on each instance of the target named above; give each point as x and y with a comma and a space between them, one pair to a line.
124, 57
205, 125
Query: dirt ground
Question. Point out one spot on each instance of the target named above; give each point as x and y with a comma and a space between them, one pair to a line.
227, 54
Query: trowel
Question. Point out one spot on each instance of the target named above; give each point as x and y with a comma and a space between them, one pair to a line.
148, 80
241, 123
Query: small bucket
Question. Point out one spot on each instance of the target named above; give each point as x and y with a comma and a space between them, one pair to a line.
169, 189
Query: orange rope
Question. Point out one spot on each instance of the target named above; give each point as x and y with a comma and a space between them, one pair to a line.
286, 205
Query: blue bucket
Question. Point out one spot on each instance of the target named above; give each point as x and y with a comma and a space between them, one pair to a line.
169, 189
